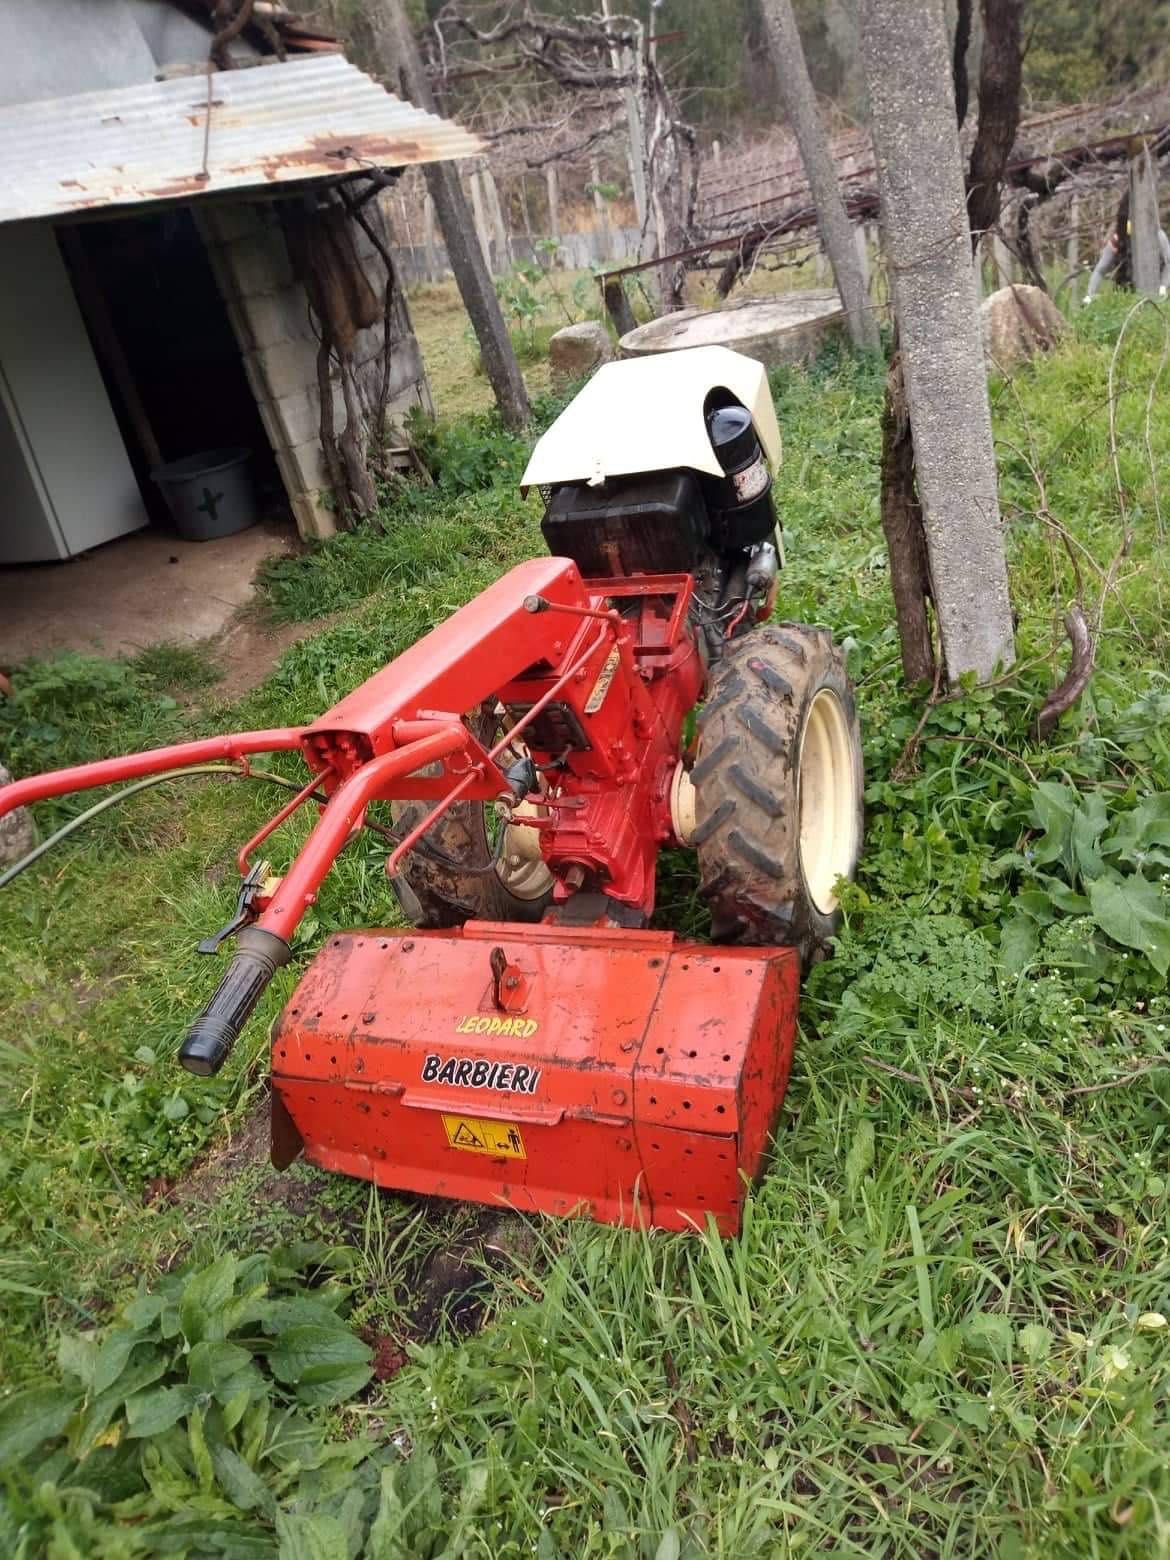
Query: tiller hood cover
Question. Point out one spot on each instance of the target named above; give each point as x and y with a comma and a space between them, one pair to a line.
621, 1075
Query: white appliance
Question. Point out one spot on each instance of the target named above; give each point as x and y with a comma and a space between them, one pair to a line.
65, 479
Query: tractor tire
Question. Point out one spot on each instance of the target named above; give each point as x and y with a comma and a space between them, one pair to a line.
435, 894
778, 789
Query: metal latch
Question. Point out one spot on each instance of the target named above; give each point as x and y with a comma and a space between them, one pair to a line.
246, 908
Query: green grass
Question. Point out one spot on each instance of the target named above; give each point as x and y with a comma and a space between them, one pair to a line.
942, 1330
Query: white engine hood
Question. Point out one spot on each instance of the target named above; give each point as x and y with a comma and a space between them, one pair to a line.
646, 414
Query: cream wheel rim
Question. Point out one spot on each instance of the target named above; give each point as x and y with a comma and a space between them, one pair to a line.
522, 869
827, 800
524, 879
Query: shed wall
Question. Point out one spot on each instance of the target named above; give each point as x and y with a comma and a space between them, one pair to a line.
270, 315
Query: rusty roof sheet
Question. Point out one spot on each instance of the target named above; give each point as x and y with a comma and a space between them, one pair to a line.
315, 117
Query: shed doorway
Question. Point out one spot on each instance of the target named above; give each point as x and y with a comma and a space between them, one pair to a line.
166, 350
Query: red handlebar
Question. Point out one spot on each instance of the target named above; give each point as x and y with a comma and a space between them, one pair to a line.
338, 818
133, 766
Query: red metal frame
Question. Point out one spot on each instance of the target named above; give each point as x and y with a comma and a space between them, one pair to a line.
612, 658
243, 857
624, 1074
156, 761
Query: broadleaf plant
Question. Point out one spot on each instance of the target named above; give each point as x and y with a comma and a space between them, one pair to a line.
180, 1429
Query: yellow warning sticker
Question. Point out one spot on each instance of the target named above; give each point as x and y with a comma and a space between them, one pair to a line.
499, 1138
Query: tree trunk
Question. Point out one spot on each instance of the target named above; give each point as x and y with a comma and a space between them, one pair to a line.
667, 183
959, 59
621, 59
429, 238
600, 209
920, 179
400, 63
800, 107
1000, 72
1025, 249
499, 226
902, 528
478, 205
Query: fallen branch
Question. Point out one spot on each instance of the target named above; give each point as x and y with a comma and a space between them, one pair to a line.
1072, 686
938, 1091
232, 27
1120, 1082
679, 1409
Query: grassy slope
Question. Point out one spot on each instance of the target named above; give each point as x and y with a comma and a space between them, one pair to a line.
928, 1337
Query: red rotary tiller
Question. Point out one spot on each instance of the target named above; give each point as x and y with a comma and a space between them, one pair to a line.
529, 1041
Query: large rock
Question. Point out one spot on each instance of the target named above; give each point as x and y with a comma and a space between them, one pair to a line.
1018, 322
17, 835
576, 351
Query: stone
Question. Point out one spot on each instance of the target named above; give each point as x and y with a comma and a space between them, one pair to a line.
17, 834
577, 350
791, 327
1019, 321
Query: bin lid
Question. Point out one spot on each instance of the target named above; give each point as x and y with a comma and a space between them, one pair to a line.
202, 464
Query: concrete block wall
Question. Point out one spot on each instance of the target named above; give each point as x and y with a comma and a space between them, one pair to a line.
270, 315
408, 380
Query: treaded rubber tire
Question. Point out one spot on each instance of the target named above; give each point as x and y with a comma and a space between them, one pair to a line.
747, 786
443, 896
446, 897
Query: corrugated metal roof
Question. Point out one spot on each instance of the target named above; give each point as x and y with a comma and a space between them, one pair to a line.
311, 118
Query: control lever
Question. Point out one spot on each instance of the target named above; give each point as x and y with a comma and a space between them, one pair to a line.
246, 910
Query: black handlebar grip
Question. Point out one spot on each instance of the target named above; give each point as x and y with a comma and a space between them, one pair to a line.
258, 956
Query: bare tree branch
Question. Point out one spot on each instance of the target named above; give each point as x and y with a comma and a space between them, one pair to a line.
229, 26
1076, 679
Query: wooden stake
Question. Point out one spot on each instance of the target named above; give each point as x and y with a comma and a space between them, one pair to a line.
617, 305
503, 248
554, 204
481, 230
1145, 253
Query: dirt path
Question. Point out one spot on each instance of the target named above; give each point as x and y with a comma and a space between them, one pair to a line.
248, 649
441, 1279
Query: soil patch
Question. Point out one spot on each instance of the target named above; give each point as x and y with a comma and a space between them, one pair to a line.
448, 1288
248, 650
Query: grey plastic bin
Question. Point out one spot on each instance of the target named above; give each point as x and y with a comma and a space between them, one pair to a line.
209, 494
